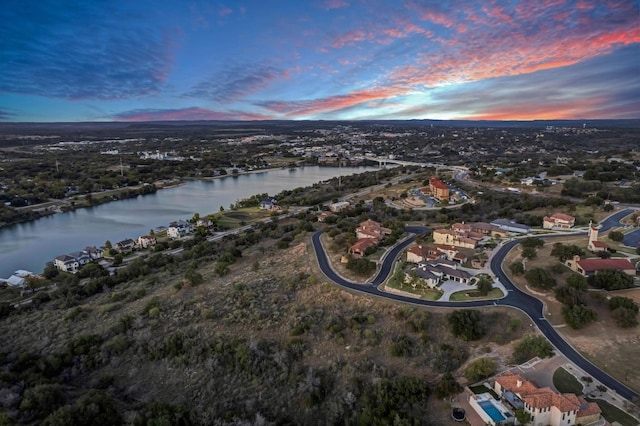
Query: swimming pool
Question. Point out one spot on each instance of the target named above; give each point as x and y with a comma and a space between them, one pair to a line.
492, 411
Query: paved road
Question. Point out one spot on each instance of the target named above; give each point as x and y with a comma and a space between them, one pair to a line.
515, 298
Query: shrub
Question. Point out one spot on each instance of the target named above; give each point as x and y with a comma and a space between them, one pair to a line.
540, 278
531, 346
577, 316
480, 369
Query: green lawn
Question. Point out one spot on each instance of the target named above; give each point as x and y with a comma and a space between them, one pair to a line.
467, 295
565, 382
425, 294
480, 389
614, 414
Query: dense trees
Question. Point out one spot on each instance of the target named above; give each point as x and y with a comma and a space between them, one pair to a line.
610, 279
466, 324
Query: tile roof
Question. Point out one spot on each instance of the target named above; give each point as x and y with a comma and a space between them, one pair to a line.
590, 265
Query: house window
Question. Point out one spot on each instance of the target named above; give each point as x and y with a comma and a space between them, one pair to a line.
563, 416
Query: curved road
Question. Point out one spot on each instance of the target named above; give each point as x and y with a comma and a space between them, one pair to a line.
515, 298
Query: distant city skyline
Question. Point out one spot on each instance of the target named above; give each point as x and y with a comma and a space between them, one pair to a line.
319, 60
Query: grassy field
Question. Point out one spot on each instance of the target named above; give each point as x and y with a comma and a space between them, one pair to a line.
614, 414
566, 382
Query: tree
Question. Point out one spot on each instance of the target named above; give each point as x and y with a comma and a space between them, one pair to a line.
625, 317
447, 386
529, 253
624, 311
569, 296
564, 252
480, 369
540, 278
577, 316
577, 281
484, 285
117, 260
516, 268
531, 346
610, 279
107, 245
616, 236
523, 416
466, 324
532, 242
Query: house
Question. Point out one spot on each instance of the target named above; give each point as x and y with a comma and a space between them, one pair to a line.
489, 229
438, 270
179, 229
339, 206
360, 247
267, 203
438, 189
125, 246
71, 262
586, 267
94, 252
371, 229
417, 253
511, 226
324, 215
558, 220
204, 222
450, 237
18, 279
594, 245
545, 406
146, 241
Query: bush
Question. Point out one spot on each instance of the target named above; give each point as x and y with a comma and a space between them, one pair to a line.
540, 278
531, 346
402, 346
362, 266
616, 236
447, 386
625, 317
516, 268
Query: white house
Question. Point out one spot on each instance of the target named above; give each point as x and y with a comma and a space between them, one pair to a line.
179, 229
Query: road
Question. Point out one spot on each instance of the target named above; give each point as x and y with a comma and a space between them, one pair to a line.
515, 298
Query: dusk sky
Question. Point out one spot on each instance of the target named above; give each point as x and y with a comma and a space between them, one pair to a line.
140, 60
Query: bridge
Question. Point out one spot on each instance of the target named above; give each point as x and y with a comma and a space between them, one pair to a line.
382, 161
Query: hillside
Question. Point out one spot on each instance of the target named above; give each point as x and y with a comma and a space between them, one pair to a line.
269, 342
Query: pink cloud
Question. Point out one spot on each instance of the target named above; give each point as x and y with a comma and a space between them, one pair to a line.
335, 4
349, 38
310, 108
224, 11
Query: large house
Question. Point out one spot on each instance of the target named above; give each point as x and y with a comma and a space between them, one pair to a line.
586, 267
146, 241
125, 246
453, 238
368, 230
438, 189
558, 220
72, 262
179, 229
435, 271
545, 406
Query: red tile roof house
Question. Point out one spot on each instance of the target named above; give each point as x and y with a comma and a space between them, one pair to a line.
417, 253
359, 248
371, 229
544, 405
588, 267
558, 220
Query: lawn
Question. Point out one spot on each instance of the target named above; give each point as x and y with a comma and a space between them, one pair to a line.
425, 294
566, 382
480, 389
614, 414
469, 295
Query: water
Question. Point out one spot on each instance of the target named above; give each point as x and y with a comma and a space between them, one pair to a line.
492, 411
31, 245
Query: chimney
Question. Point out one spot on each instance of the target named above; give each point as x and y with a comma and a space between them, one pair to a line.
519, 383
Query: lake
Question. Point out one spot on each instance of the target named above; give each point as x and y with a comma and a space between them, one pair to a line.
32, 244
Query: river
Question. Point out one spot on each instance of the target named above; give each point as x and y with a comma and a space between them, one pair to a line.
32, 244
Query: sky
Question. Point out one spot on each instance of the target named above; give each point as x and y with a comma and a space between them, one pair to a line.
138, 60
